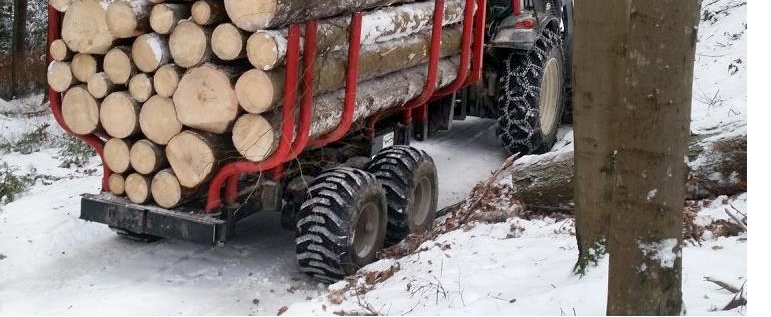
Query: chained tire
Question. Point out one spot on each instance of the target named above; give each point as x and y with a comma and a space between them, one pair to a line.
531, 96
341, 225
409, 178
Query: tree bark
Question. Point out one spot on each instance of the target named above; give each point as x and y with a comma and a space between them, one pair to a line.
167, 191
205, 98
258, 91
141, 87
266, 49
80, 111
99, 85
195, 156
190, 44
229, 42
119, 115
60, 76
158, 120
165, 16
208, 12
253, 15
256, 136
147, 157
651, 128
117, 155
166, 79
150, 51
84, 27
129, 18
138, 188
118, 65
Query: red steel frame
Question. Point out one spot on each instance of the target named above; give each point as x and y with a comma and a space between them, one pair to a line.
55, 99
472, 45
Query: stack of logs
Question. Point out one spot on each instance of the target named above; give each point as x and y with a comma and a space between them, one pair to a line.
179, 88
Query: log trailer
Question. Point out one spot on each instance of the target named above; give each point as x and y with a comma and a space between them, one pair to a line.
362, 187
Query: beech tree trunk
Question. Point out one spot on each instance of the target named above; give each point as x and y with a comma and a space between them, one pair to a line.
258, 91
256, 136
253, 15
267, 48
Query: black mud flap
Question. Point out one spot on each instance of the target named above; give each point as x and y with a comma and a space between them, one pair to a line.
117, 212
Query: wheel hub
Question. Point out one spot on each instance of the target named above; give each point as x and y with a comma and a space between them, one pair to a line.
421, 202
365, 231
550, 95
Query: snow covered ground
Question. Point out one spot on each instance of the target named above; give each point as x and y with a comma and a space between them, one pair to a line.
53, 263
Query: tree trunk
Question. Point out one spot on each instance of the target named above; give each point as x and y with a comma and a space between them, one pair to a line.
99, 85
59, 51
651, 130
167, 191
164, 17
84, 27
60, 76
128, 18
166, 79
118, 65
117, 155
138, 188
119, 115
229, 42
267, 48
147, 157
80, 111
141, 87
158, 120
256, 136
190, 44
258, 91
195, 156
208, 12
253, 15
599, 35
85, 65
150, 51
717, 167
117, 184
205, 98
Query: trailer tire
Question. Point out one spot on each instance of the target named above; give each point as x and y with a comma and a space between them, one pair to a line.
409, 178
529, 119
341, 225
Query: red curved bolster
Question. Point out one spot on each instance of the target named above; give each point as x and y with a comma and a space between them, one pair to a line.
55, 99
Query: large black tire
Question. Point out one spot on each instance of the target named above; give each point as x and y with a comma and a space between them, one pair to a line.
526, 125
341, 225
409, 179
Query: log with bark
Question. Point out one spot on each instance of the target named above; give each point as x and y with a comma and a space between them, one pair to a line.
256, 136
260, 91
119, 115
195, 156
85, 65
118, 65
167, 191
208, 12
166, 79
80, 110
117, 155
253, 15
165, 16
158, 120
150, 51
717, 167
128, 18
229, 42
100, 85
190, 44
141, 87
266, 49
138, 188
60, 76
59, 51
84, 27
147, 157
205, 98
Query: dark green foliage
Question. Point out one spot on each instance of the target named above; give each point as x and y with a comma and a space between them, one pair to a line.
73, 151
12, 185
34, 140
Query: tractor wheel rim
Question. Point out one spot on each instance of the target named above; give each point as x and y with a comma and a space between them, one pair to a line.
550, 93
365, 232
421, 202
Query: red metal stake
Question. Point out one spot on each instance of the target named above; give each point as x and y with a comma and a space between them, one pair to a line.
479, 43
465, 54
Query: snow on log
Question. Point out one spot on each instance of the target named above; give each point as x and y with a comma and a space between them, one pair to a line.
266, 49
190, 44
118, 65
128, 18
84, 27
164, 17
205, 98
119, 115
80, 111
158, 120
150, 51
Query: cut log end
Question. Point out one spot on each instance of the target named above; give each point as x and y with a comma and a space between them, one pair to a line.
59, 51
167, 191
251, 15
254, 137
117, 155
60, 76
126, 19
228, 42
189, 44
256, 90
166, 79
141, 87
158, 120
118, 65
265, 50
84, 28
208, 12
138, 188
164, 17
83, 66
193, 157
119, 115
205, 99
150, 51
60, 5
99, 85
147, 157
117, 184
80, 111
